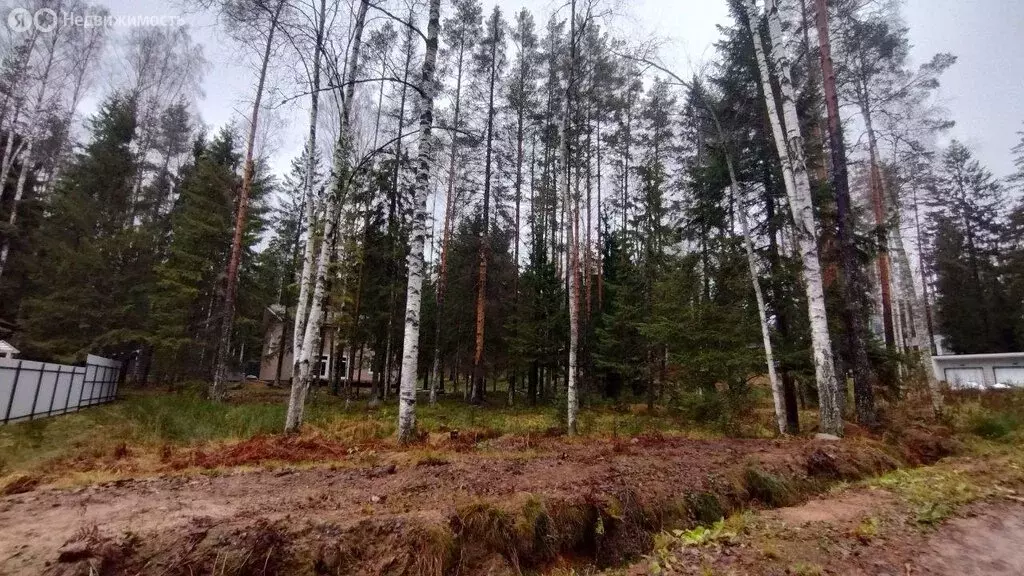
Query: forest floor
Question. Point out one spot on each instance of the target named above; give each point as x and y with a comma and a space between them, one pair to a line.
478, 500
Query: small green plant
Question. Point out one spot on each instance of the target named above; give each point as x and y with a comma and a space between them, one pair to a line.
867, 530
702, 535
932, 513
993, 426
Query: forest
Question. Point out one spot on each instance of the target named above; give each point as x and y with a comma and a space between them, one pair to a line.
522, 296
492, 200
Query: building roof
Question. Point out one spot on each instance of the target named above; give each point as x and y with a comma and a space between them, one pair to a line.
6, 348
980, 357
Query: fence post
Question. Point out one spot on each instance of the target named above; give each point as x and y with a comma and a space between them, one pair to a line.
117, 381
14, 388
71, 384
81, 391
106, 395
53, 395
35, 397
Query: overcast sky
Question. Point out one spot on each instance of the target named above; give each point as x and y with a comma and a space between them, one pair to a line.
984, 91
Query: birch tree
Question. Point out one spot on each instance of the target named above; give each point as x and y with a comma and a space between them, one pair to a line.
88, 49
789, 144
309, 199
410, 347
302, 374
572, 258
737, 196
778, 400
52, 43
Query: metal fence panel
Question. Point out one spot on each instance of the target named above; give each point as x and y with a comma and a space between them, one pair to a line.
30, 389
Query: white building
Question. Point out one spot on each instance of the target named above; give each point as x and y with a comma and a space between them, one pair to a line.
980, 370
6, 350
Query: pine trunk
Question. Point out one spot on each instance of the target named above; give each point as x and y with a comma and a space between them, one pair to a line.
864, 378
449, 217
477, 396
220, 378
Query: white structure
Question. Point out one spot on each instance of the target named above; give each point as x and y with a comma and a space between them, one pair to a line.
980, 370
6, 350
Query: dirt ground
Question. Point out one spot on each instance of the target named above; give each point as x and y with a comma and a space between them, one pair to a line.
860, 532
508, 505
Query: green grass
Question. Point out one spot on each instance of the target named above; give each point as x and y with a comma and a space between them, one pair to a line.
138, 419
151, 419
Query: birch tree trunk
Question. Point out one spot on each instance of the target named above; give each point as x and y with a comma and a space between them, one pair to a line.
19, 190
916, 311
572, 255
10, 151
301, 370
410, 347
32, 134
794, 170
219, 385
762, 313
309, 206
393, 217
20, 69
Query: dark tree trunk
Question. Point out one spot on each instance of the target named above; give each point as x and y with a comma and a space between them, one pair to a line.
852, 316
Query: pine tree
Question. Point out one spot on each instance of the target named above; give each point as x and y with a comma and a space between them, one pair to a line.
522, 98
489, 61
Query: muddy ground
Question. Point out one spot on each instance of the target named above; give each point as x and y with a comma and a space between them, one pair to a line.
506, 505
860, 533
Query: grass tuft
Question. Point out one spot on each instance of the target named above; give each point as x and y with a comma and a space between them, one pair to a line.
768, 488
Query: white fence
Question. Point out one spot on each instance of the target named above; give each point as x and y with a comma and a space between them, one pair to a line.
30, 390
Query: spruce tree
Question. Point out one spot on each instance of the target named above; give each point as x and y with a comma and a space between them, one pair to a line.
95, 274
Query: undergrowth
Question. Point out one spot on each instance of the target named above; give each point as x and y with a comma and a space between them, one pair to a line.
155, 421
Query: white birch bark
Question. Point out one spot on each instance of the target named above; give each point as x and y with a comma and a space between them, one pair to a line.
19, 190
410, 345
915, 305
9, 151
340, 172
762, 313
26, 158
794, 168
89, 53
309, 202
572, 251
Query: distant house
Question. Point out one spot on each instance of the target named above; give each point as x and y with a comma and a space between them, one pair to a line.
6, 350
271, 358
979, 371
